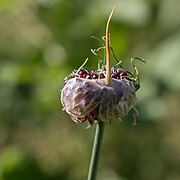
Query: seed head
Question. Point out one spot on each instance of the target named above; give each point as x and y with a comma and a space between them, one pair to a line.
106, 94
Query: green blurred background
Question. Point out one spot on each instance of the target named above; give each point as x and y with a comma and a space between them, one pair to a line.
41, 42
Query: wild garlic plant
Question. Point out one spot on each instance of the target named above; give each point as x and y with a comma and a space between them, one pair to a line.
103, 95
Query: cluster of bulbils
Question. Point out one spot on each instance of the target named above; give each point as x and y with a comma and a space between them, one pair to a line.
116, 73
87, 98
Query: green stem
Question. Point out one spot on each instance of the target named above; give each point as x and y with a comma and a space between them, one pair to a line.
96, 150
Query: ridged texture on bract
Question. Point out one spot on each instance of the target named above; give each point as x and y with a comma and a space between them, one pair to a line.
80, 97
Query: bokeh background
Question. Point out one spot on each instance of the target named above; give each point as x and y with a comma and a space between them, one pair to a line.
41, 42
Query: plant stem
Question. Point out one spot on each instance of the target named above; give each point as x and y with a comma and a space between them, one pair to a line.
100, 125
96, 150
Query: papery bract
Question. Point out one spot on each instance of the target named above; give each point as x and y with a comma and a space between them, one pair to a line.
91, 99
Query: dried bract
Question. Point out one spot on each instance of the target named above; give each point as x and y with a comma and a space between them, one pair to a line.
91, 99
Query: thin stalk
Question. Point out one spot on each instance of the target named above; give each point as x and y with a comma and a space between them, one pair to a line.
108, 65
96, 150
98, 138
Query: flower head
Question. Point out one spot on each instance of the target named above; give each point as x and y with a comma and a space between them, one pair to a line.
106, 94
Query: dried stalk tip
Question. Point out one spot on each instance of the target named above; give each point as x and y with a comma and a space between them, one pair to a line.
108, 64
